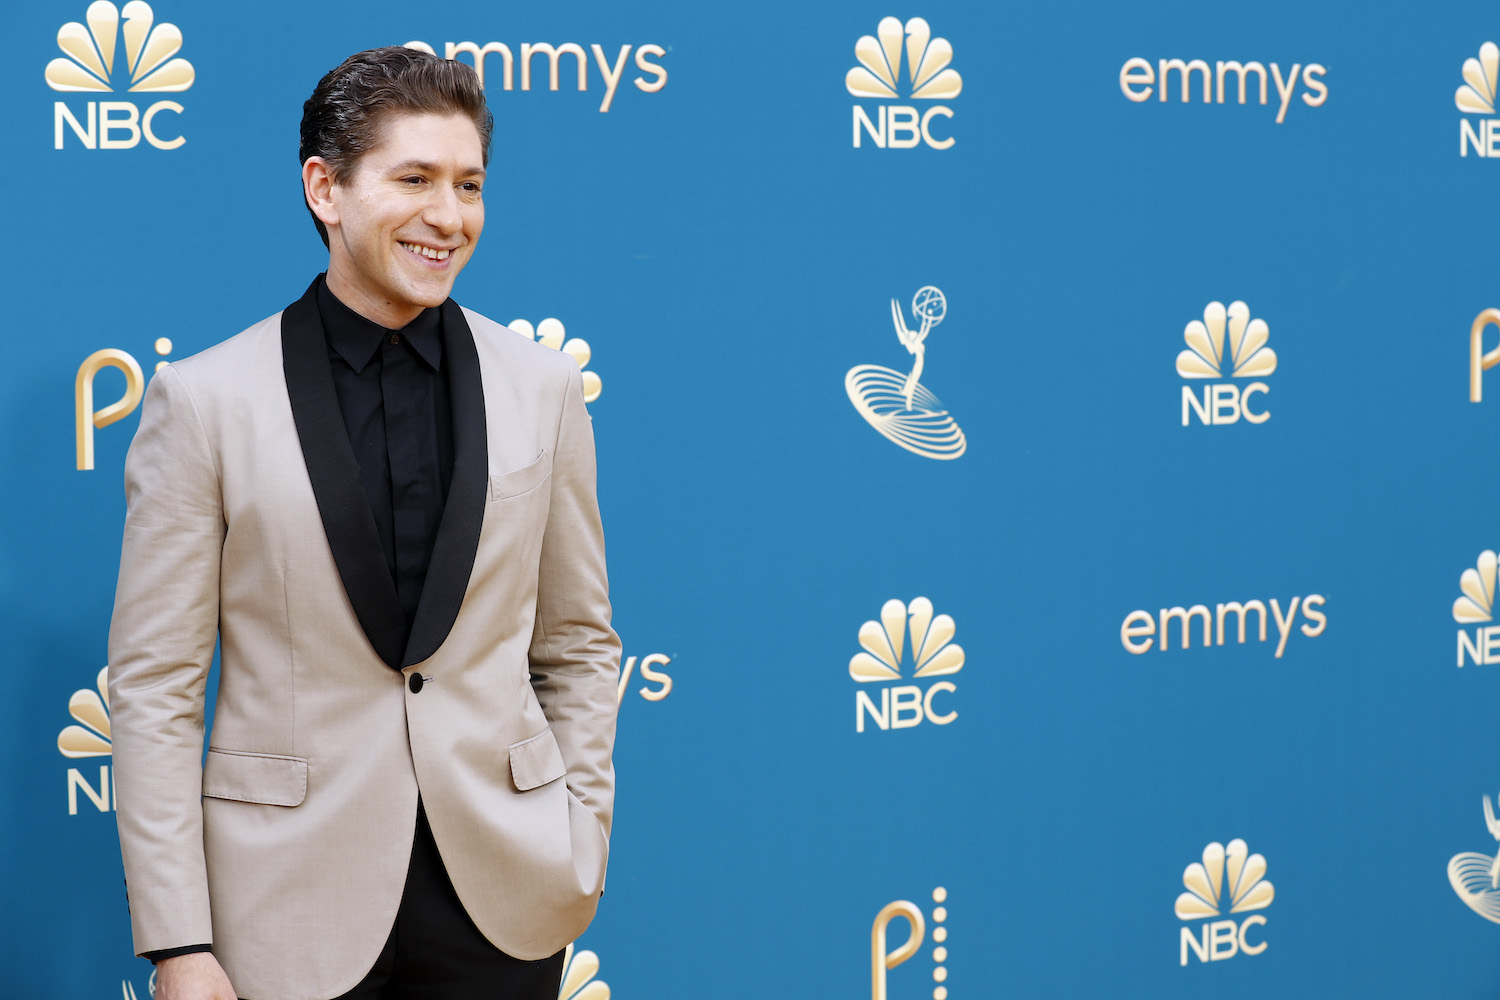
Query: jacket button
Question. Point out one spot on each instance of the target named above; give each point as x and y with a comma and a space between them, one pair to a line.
415, 683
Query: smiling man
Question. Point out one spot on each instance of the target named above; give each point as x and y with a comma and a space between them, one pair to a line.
381, 507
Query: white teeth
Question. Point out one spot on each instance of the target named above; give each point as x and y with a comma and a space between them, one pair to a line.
427, 251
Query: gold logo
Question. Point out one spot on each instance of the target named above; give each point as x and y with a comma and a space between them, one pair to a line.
1476, 877
551, 333
85, 417
89, 738
1476, 606
899, 406
1206, 358
884, 641
1480, 361
1248, 354
1477, 95
1229, 879
878, 75
927, 59
883, 959
578, 982
929, 638
90, 65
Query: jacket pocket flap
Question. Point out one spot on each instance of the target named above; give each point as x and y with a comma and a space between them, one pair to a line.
536, 761
522, 480
269, 779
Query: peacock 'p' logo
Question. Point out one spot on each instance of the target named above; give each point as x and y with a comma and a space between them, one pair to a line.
148, 63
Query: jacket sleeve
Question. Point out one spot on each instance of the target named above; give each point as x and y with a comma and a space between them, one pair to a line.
161, 643
575, 654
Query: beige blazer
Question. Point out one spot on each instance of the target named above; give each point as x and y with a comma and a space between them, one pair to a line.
287, 848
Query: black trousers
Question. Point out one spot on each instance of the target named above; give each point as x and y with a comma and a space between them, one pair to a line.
436, 953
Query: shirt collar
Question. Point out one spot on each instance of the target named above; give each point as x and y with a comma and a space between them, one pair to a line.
357, 339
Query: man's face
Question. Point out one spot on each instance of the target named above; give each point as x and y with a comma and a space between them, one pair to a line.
408, 218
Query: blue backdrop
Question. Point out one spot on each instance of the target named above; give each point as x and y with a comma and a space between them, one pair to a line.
746, 225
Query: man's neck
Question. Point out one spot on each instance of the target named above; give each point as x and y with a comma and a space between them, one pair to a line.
376, 309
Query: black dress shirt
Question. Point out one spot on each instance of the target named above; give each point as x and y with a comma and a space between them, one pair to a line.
393, 394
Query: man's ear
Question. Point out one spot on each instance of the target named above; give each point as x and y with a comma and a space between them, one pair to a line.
318, 188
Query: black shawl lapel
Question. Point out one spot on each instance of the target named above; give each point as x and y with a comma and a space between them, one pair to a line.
342, 504
458, 534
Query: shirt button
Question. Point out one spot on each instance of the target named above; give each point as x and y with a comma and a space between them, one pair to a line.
415, 683
395, 338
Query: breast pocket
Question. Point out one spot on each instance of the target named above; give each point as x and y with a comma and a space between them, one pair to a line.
521, 481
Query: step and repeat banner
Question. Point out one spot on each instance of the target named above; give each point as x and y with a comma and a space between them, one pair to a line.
1044, 452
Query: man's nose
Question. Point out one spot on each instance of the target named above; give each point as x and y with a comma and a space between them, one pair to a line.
442, 211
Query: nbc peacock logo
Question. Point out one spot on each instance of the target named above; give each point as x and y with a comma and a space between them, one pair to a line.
879, 75
551, 333
897, 404
578, 982
149, 65
1480, 642
89, 737
1228, 880
903, 629
1476, 877
1247, 356
1476, 96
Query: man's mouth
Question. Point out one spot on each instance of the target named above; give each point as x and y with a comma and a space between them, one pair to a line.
428, 252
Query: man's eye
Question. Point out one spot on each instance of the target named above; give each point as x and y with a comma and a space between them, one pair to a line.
411, 180
472, 188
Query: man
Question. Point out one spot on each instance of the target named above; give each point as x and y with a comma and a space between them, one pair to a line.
382, 506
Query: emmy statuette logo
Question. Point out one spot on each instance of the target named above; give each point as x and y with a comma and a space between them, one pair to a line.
551, 333
147, 66
879, 76
1205, 358
1476, 96
578, 982
883, 958
899, 405
933, 654
89, 738
1227, 879
1476, 877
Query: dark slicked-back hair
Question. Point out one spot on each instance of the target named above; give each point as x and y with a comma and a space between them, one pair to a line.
343, 118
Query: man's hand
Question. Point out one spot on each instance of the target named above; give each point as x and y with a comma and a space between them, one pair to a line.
196, 976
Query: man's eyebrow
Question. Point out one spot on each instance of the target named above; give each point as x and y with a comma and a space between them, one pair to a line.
431, 168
